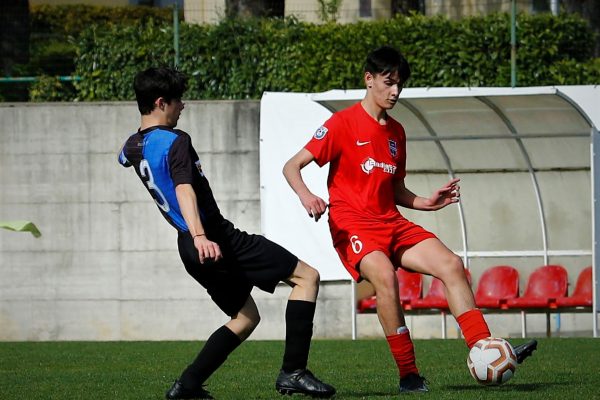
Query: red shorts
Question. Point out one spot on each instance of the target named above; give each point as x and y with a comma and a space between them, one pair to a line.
355, 238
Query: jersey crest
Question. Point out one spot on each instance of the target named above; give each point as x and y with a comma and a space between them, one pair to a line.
393, 146
321, 132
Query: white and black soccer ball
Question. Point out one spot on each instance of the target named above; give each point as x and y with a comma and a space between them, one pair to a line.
492, 361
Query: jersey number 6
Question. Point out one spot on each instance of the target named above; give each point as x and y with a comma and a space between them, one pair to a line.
356, 244
159, 197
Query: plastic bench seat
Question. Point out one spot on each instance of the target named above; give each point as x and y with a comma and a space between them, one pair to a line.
582, 295
544, 286
496, 286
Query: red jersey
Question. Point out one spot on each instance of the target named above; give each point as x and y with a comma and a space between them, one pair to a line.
365, 160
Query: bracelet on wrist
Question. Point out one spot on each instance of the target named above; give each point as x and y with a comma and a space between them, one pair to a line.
198, 235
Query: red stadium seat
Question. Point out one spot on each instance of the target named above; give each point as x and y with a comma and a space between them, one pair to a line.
410, 287
366, 305
435, 297
496, 286
582, 295
544, 286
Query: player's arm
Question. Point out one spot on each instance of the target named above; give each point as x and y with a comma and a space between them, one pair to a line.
186, 197
447, 194
314, 205
123, 158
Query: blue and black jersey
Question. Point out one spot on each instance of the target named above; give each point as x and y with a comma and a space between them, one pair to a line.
164, 158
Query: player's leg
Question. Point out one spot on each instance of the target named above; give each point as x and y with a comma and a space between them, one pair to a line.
304, 282
214, 353
432, 257
294, 376
230, 290
264, 264
377, 268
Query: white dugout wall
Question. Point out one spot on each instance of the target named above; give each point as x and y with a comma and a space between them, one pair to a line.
530, 184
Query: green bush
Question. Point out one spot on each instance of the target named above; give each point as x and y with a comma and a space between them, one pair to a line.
54, 30
52, 57
240, 59
570, 72
50, 88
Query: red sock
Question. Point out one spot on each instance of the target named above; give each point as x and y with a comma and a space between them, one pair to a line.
403, 352
473, 326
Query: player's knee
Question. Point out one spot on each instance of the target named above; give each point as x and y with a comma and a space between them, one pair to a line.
254, 322
308, 276
385, 282
313, 276
244, 325
453, 269
456, 266
251, 323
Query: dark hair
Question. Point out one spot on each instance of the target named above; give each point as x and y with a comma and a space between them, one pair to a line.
385, 60
153, 83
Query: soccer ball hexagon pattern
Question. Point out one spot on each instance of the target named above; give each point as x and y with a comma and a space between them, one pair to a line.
492, 361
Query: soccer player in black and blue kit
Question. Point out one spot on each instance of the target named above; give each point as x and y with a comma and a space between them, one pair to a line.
224, 260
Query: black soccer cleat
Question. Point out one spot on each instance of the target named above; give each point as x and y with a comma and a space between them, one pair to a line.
178, 391
413, 383
525, 350
304, 382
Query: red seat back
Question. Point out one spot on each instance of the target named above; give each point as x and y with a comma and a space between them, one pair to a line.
583, 287
548, 281
436, 289
410, 285
499, 282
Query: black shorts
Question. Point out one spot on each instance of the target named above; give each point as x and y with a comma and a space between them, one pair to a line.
248, 261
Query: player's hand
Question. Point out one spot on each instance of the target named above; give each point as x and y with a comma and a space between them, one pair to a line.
446, 195
314, 205
207, 250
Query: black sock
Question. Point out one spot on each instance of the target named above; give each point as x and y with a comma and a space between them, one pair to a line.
299, 316
214, 353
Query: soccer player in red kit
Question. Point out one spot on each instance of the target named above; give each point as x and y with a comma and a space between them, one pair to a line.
366, 150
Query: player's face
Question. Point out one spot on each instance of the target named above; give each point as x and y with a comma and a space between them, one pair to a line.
384, 88
173, 111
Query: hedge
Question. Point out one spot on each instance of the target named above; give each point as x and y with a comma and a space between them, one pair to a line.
54, 31
240, 59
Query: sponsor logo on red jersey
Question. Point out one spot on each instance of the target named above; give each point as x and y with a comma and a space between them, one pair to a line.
369, 165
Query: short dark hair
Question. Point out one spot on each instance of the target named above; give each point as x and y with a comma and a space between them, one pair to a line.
385, 60
153, 83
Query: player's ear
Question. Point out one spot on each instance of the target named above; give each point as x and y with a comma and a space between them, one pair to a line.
369, 79
159, 103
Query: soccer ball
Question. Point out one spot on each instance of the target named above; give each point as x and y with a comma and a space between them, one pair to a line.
492, 361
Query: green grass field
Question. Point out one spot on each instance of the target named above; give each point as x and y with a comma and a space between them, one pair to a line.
560, 369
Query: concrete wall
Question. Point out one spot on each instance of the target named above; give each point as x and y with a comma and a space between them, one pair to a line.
106, 267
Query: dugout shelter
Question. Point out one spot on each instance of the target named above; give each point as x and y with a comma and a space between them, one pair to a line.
528, 159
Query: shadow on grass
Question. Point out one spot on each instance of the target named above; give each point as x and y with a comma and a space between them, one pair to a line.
366, 394
490, 390
519, 387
